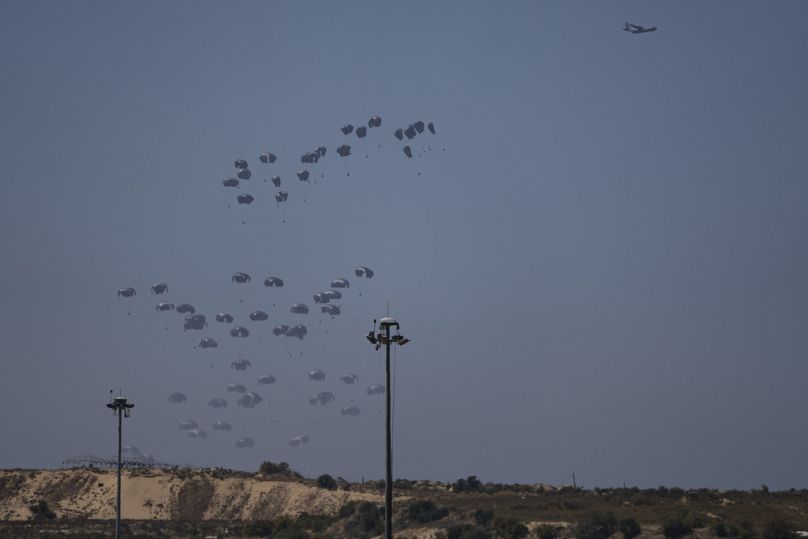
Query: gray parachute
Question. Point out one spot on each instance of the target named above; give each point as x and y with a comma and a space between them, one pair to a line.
361, 132
431, 127
217, 403
350, 411
222, 425
208, 342
225, 318
346, 129
280, 329
344, 150
197, 433
243, 443
241, 164
332, 294
230, 182
127, 292
281, 196
273, 281
267, 157
408, 151
245, 199
239, 331
164, 307
375, 121
240, 364
317, 375
340, 283
235, 388
322, 398
276, 181
363, 271
185, 308
244, 174
303, 175
259, 316
249, 400
159, 288
266, 379
299, 440
333, 310
299, 308
399, 134
349, 379
241, 278
298, 331
187, 424
195, 321
177, 398
376, 389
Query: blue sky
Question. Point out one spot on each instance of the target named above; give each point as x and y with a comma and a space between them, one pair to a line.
601, 261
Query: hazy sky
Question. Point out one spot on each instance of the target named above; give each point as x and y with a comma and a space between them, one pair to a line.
604, 272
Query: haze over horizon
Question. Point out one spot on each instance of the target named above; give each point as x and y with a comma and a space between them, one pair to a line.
604, 272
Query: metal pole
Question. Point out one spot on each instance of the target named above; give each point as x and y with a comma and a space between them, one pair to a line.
118, 495
388, 484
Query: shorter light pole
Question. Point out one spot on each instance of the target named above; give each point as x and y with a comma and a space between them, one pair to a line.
383, 337
119, 407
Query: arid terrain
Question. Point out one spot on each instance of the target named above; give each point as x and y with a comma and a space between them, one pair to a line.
224, 503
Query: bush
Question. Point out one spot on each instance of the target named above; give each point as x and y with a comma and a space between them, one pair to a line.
271, 468
510, 528
41, 511
675, 528
546, 531
483, 517
425, 511
630, 528
257, 528
471, 483
326, 481
365, 519
467, 531
720, 529
778, 529
597, 525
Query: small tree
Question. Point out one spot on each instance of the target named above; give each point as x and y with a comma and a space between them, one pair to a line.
423, 511
271, 468
630, 528
41, 511
597, 525
510, 528
675, 528
483, 517
327, 482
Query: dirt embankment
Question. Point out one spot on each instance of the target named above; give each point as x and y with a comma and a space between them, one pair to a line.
166, 495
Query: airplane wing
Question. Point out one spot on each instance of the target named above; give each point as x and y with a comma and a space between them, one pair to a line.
637, 27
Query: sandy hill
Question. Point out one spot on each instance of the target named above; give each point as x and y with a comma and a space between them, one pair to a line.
167, 495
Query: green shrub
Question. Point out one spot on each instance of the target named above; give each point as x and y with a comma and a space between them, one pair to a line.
467, 531
326, 481
675, 528
364, 519
630, 528
271, 468
597, 525
41, 511
720, 529
423, 511
257, 528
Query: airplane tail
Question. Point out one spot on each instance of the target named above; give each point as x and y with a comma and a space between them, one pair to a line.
627, 27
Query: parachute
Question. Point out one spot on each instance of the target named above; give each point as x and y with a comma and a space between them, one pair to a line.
222, 425
177, 398
363, 271
375, 121
185, 308
273, 281
408, 151
310, 157
350, 410
245, 199
323, 398
245, 442
280, 329
376, 389
187, 424
361, 132
241, 164
197, 433
333, 310
241, 278
331, 294
226, 318
267, 157
249, 400
399, 134
244, 174
340, 283
235, 388
419, 126
319, 297
322, 150
258, 316
298, 331
195, 321
239, 331
230, 182
317, 375
266, 379
164, 307
346, 129
349, 379
276, 181
159, 288
298, 440
240, 364
410, 132
127, 292
344, 150
431, 127
281, 196
217, 403
303, 175
208, 342
299, 308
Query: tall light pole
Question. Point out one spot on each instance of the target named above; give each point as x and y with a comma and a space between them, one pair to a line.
119, 407
383, 337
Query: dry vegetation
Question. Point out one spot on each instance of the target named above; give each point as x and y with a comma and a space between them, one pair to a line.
282, 504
